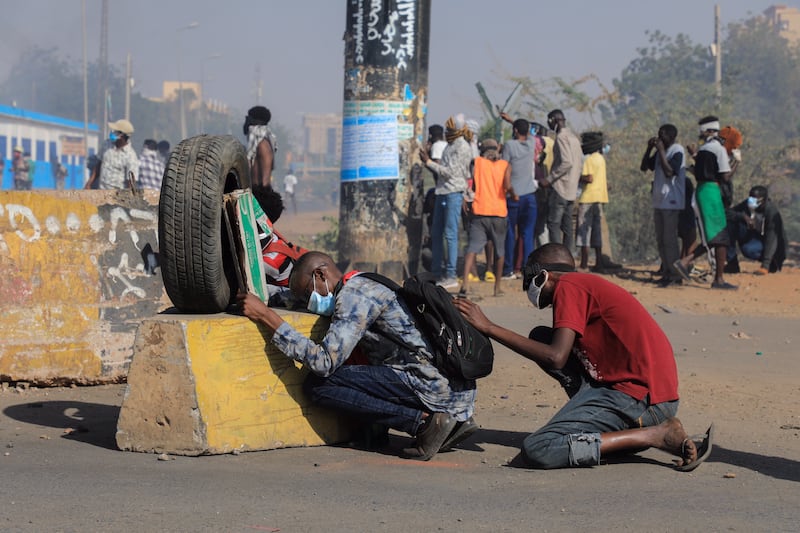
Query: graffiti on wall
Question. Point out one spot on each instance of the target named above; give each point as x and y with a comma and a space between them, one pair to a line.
120, 242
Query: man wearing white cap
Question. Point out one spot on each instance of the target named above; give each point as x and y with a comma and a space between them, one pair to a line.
711, 168
120, 166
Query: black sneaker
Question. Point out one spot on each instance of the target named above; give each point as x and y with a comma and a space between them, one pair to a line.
608, 264
437, 428
460, 433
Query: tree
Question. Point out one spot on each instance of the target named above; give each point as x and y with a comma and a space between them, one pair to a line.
762, 79
41, 80
672, 81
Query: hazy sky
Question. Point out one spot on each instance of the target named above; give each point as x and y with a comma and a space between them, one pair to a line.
297, 44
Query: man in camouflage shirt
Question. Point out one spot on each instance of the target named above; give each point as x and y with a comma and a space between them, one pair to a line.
396, 385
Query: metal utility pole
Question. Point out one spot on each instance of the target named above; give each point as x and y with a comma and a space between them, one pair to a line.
385, 99
128, 83
717, 56
102, 72
203, 98
190, 26
85, 91
258, 88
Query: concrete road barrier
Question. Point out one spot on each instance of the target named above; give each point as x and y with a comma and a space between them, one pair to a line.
78, 273
212, 384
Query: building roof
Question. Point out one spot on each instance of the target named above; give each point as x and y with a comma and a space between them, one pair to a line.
16, 112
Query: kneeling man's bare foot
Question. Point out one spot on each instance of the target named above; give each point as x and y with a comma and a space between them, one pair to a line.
676, 441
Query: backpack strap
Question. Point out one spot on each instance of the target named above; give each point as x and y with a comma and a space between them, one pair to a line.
392, 285
383, 280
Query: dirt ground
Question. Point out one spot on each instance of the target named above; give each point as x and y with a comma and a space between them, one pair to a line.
737, 364
775, 295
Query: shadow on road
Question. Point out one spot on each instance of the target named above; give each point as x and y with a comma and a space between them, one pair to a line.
769, 465
92, 423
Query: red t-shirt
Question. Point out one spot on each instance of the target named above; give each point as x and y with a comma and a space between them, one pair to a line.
618, 342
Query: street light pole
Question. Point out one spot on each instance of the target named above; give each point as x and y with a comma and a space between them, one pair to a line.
717, 57
128, 85
85, 92
189, 26
203, 90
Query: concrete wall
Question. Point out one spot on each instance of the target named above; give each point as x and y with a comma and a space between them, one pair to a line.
77, 277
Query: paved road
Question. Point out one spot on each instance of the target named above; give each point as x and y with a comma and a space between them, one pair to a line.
61, 471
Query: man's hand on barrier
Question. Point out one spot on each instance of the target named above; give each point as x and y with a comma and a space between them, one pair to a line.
256, 310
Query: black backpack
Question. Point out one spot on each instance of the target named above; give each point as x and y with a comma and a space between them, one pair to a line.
459, 349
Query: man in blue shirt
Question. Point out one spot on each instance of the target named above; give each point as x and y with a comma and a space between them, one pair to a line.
520, 153
398, 387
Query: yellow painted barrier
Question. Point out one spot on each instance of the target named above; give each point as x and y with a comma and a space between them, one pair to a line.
213, 384
77, 276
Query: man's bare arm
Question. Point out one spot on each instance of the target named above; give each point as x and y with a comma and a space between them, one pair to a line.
551, 356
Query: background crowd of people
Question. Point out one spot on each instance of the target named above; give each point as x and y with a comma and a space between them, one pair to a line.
512, 198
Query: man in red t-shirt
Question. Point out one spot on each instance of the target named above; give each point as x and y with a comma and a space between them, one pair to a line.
611, 357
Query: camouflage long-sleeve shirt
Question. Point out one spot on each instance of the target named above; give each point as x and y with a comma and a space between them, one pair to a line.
368, 314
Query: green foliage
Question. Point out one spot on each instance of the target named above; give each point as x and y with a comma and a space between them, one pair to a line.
762, 79
326, 241
670, 74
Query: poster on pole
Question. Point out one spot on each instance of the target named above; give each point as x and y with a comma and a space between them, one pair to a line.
370, 147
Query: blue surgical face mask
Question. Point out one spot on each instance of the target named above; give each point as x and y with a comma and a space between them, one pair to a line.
752, 203
318, 304
112, 136
606, 149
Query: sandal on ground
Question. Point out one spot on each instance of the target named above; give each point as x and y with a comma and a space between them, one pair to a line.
682, 270
703, 449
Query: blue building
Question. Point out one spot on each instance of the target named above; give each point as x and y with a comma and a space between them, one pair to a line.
45, 137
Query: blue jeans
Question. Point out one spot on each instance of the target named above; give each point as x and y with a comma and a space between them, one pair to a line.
522, 218
749, 241
559, 219
375, 393
444, 228
572, 436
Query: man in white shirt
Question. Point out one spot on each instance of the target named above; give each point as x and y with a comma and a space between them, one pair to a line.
289, 183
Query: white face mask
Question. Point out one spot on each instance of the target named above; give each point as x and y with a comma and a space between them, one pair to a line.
535, 291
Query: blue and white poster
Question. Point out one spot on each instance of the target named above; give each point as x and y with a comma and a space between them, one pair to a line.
370, 147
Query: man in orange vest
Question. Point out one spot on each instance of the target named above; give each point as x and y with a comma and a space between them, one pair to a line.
489, 211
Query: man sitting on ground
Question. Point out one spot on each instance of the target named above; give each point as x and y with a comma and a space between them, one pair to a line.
613, 360
399, 387
757, 227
